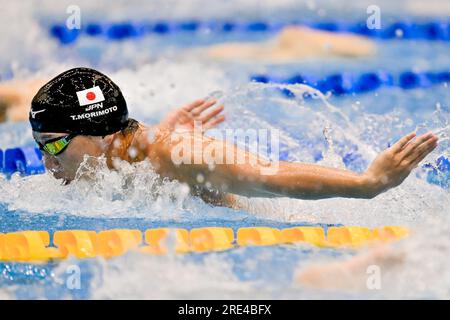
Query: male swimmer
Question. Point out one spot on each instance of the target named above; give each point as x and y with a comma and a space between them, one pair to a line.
294, 43
82, 112
15, 98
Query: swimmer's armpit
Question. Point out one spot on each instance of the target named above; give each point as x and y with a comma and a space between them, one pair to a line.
214, 197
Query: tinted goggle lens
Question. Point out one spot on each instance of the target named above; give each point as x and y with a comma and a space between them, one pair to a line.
55, 147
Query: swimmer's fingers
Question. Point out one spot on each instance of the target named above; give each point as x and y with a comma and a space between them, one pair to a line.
412, 149
210, 115
202, 107
214, 122
424, 150
398, 146
195, 104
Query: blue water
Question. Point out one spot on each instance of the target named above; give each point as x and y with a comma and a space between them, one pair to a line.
158, 74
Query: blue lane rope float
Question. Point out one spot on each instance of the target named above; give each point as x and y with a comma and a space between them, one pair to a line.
28, 161
348, 83
430, 30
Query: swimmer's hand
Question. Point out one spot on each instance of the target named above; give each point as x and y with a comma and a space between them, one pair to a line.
393, 165
200, 113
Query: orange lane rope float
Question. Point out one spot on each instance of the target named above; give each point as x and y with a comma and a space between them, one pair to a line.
34, 246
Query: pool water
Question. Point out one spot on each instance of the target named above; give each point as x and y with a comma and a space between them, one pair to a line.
157, 74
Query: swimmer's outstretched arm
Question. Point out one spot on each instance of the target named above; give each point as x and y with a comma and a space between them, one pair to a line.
296, 42
296, 180
325, 42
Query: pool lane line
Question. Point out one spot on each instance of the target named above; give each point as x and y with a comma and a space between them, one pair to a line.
342, 83
36, 246
432, 30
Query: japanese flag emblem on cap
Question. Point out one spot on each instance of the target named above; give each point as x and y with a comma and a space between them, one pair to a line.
90, 96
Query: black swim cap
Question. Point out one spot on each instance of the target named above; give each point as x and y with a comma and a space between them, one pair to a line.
81, 101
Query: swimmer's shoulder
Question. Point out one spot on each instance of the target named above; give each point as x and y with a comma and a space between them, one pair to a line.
152, 141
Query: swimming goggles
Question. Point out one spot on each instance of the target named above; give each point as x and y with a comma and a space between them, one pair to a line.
57, 145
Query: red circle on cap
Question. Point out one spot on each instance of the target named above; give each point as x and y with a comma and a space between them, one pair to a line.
90, 95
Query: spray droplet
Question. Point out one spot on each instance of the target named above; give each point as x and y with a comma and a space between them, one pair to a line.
132, 152
200, 178
116, 143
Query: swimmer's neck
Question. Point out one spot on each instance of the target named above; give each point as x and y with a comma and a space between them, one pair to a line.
129, 146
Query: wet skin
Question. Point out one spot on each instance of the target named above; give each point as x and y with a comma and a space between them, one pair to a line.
296, 180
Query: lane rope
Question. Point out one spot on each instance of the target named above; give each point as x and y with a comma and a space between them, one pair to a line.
351, 83
117, 31
36, 246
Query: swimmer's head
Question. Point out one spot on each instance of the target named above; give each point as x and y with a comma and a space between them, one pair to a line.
76, 114
80, 101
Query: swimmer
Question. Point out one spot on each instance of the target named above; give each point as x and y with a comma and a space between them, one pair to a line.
66, 132
294, 43
291, 44
15, 98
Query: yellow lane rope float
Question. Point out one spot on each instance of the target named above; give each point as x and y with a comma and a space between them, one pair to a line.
34, 246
